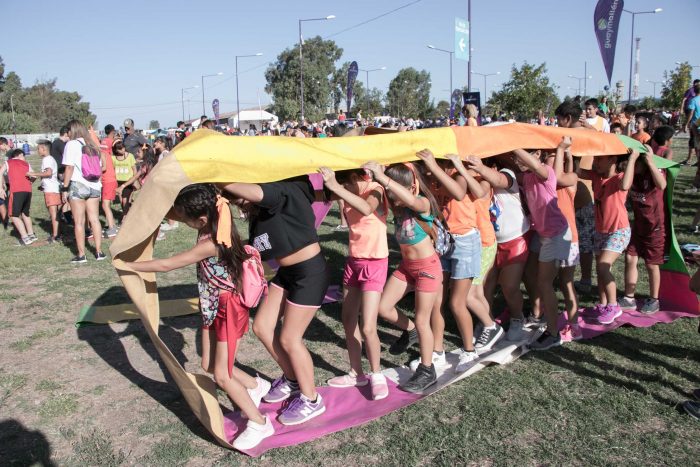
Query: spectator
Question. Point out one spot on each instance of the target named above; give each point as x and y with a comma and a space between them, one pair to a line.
109, 182
685, 109
20, 190
49, 185
4, 147
133, 141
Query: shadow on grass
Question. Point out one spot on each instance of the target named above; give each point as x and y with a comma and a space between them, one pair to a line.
20, 446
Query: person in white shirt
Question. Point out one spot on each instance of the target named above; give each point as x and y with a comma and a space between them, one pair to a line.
592, 120
49, 185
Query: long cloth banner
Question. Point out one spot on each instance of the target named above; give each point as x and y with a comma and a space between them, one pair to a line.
207, 156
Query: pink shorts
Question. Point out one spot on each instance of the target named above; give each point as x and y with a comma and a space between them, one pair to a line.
425, 275
368, 275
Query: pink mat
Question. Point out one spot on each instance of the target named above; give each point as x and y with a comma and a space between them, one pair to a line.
345, 408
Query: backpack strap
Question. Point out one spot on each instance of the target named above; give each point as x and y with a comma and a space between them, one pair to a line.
430, 230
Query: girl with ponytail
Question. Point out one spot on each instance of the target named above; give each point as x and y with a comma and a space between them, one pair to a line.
219, 255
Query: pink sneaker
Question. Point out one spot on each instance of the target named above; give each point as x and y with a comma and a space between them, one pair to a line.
380, 389
594, 312
576, 332
610, 314
566, 334
348, 381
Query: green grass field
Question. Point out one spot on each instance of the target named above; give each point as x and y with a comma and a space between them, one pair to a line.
98, 396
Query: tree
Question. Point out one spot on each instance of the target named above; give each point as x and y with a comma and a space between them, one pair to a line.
676, 83
649, 103
409, 93
153, 125
527, 92
442, 109
372, 103
283, 79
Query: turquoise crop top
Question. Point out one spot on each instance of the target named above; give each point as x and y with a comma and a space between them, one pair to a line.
408, 231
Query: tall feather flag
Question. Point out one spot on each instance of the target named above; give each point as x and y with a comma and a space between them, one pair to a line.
352, 75
606, 23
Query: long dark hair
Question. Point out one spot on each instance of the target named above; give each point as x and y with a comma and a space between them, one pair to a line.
405, 175
198, 200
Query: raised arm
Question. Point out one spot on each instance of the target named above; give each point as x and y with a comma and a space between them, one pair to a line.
453, 187
366, 207
247, 191
656, 175
565, 178
411, 201
473, 187
200, 251
628, 177
495, 178
532, 163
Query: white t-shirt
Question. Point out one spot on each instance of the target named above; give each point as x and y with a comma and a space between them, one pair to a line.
510, 220
601, 124
49, 184
73, 155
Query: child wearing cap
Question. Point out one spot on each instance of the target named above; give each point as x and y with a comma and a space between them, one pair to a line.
17, 169
49, 185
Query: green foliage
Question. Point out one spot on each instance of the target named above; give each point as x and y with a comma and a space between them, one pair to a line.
153, 125
676, 83
528, 91
649, 103
319, 69
442, 109
372, 104
41, 107
409, 94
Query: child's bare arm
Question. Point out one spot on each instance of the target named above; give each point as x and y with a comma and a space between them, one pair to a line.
564, 178
411, 201
456, 189
47, 173
200, 251
248, 191
495, 178
656, 176
366, 207
473, 187
628, 177
532, 163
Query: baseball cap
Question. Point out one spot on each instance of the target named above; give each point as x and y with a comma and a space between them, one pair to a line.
128, 123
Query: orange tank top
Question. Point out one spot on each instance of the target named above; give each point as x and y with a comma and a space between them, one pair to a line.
368, 233
565, 201
460, 215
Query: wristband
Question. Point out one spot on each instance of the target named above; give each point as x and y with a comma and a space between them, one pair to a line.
65, 189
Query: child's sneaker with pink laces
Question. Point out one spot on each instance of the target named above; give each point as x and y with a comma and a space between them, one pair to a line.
348, 381
380, 389
610, 314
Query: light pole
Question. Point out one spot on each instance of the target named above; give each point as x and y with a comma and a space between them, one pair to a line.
367, 72
655, 83
469, 64
182, 96
635, 13
204, 112
579, 78
485, 75
301, 60
238, 108
451, 53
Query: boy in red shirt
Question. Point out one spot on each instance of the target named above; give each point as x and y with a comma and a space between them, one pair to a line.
20, 198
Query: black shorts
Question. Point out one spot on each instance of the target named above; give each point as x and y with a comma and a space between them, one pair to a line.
306, 283
20, 203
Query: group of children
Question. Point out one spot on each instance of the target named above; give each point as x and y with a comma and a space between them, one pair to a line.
463, 228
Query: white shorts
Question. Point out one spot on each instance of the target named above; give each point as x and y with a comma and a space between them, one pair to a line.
557, 248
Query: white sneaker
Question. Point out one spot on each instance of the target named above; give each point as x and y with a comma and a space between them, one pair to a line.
253, 435
466, 360
439, 361
259, 391
165, 227
516, 330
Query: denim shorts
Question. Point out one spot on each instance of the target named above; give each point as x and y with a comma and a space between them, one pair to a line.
616, 241
80, 191
464, 261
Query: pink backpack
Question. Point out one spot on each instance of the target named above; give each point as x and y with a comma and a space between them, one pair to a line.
90, 165
253, 282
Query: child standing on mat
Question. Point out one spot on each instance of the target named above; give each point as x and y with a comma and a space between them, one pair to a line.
219, 255
282, 228
365, 209
49, 185
646, 184
612, 229
414, 209
20, 199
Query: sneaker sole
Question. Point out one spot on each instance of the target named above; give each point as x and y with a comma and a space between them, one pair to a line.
308, 417
617, 315
418, 391
79, 262
246, 448
357, 385
274, 401
494, 341
685, 408
381, 396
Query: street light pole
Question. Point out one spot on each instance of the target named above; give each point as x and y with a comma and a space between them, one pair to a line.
580, 78
301, 60
469, 64
485, 75
451, 53
182, 96
238, 107
654, 83
634, 13
204, 112
367, 72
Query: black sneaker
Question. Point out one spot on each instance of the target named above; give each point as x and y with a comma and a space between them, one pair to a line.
488, 338
407, 339
422, 379
545, 341
99, 256
79, 259
692, 408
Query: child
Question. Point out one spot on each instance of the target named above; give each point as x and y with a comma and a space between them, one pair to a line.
554, 237
641, 135
511, 225
282, 228
646, 184
4, 215
49, 185
616, 128
109, 182
20, 199
364, 276
219, 255
661, 142
413, 206
124, 168
612, 230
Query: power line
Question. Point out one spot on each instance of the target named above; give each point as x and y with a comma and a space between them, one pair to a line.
373, 19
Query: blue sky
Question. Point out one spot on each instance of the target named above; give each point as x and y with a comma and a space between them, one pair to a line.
132, 58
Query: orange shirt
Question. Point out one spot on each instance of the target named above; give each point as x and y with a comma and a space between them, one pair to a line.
565, 201
642, 136
460, 215
368, 233
483, 219
610, 211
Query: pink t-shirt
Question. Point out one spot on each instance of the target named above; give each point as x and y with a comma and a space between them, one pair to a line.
610, 210
547, 218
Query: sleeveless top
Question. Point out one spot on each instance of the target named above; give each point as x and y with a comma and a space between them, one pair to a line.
408, 231
213, 276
